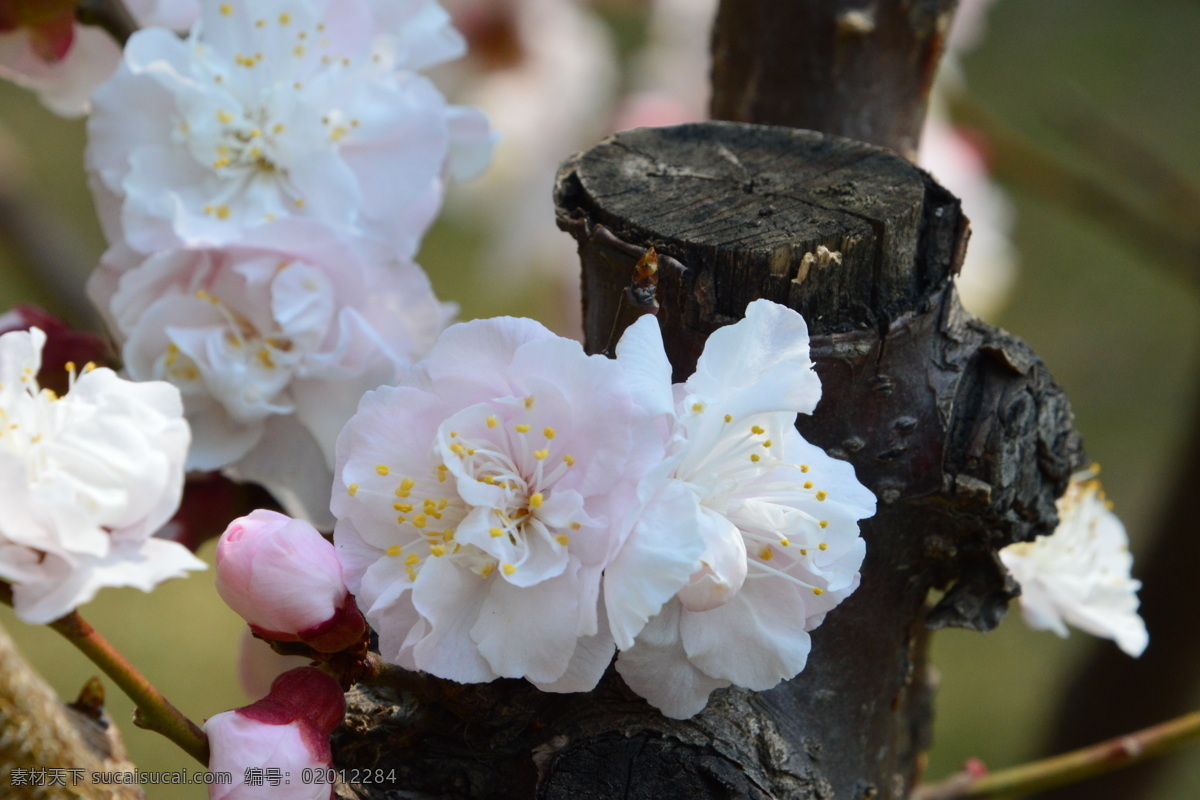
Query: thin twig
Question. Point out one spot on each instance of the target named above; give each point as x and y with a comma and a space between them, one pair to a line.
111, 15
154, 712
1071, 767
1021, 164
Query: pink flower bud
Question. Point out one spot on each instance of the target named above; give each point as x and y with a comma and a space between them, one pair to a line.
284, 578
278, 739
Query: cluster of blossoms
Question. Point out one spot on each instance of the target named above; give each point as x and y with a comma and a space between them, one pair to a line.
516, 508
1080, 573
264, 184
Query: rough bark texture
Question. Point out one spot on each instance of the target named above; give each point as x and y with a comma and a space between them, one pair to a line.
39, 732
956, 426
855, 69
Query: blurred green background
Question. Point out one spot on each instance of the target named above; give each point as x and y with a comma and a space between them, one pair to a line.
1114, 328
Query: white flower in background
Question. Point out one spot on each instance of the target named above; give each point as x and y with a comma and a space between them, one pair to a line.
990, 267
272, 343
66, 69
1080, 573
85, 481
778, 517
545, 73
958, 162
478, 503
277, 109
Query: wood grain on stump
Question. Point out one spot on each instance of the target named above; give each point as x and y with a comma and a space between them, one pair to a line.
955, 426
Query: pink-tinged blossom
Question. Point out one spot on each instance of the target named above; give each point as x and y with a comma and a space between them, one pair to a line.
272, 342
66, 63
85, 481
283, 577
288, 730
671, 69
479, 502
269, 110
1081, 573
778, 517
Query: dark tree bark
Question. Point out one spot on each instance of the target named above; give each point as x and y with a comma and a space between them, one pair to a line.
956, 426
855, 69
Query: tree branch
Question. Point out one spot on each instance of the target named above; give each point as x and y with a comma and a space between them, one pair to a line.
854, 69
154, 712
1078, 765
1019, 163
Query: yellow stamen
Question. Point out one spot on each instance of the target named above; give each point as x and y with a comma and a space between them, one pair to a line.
522, 428
535, 500
549, 432
540, 454
818, 591
383, 469
394, 550
492, 422
821, 495
352, 489
509, 569
495, 532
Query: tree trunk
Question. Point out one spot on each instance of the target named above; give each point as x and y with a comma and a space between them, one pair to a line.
956, 426
847, 67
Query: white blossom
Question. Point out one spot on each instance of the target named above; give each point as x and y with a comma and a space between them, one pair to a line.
1080, 573
277, 109
272, 342
85, 481
778, 517
64, 84
479, 502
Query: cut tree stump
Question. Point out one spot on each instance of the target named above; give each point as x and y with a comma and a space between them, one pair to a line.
956, 426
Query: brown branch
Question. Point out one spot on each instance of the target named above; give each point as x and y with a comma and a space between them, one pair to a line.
1020, 164
154, 712
38, 732
1078, 765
